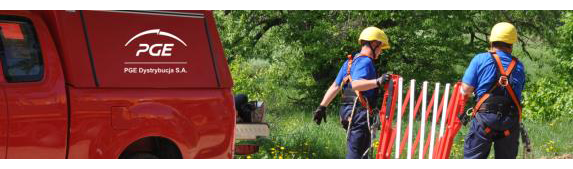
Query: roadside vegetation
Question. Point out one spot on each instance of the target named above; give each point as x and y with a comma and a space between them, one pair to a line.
289, 58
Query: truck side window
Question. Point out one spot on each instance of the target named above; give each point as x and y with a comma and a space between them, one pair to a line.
20, 52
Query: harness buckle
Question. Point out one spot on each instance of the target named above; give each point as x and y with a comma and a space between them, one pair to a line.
464, 118
503, 81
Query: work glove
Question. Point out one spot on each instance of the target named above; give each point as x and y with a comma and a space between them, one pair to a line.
320, 114
382, 80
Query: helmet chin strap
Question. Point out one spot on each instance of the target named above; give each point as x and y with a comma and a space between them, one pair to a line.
373, 49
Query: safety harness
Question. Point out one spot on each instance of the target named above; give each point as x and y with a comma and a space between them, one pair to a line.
348, 78
502, 83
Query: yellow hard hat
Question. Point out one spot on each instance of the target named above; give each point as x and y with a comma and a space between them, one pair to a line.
374, 34
503, 32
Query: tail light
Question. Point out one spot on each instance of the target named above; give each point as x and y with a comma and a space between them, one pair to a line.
246, 149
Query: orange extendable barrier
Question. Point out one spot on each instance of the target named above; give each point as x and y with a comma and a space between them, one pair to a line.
449, 109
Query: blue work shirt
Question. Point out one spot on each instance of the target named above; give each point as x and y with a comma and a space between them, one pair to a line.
362, 69
482, 73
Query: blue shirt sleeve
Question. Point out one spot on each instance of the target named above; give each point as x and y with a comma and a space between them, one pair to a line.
341, 73
471, 76
363, 69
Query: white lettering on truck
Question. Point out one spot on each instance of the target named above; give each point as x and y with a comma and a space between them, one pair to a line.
155, 50
163, 50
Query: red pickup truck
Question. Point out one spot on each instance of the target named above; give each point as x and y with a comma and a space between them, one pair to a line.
114, 84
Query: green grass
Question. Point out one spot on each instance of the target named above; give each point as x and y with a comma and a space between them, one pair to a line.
295, 135
551, 140
548, 140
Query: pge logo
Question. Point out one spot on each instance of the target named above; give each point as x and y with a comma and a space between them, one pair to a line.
159, 49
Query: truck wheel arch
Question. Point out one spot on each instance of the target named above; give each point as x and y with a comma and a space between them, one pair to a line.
150, 132
161, 147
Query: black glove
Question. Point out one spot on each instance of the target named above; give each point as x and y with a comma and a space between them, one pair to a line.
382, 80
320, 114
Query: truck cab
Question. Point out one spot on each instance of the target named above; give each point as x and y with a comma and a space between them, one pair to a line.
114, 84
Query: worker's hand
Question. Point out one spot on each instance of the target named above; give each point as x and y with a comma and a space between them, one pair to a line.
382, 80
320, 114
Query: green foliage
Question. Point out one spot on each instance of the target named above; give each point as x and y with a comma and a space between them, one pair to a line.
551, 98
307, 48
565, 47
548, 99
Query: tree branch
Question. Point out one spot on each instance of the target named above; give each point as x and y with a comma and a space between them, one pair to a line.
474, 37
478, 30
268, 25
523, 47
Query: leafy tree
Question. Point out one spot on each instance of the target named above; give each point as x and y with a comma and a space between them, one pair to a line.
551, 98
564, 50
291, 57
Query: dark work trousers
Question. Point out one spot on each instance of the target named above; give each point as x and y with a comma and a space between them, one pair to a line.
359, 138
478, 144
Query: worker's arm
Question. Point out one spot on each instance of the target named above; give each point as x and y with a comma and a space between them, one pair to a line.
362, 85
320, 112
330, 94
470, 78
466, 90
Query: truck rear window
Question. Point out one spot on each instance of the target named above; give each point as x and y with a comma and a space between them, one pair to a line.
20, 52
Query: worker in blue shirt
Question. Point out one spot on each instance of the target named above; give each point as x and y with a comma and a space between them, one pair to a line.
496, 78
358, 80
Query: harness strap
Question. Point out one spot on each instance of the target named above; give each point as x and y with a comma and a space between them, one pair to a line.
502, 82
348, 78
479, 103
